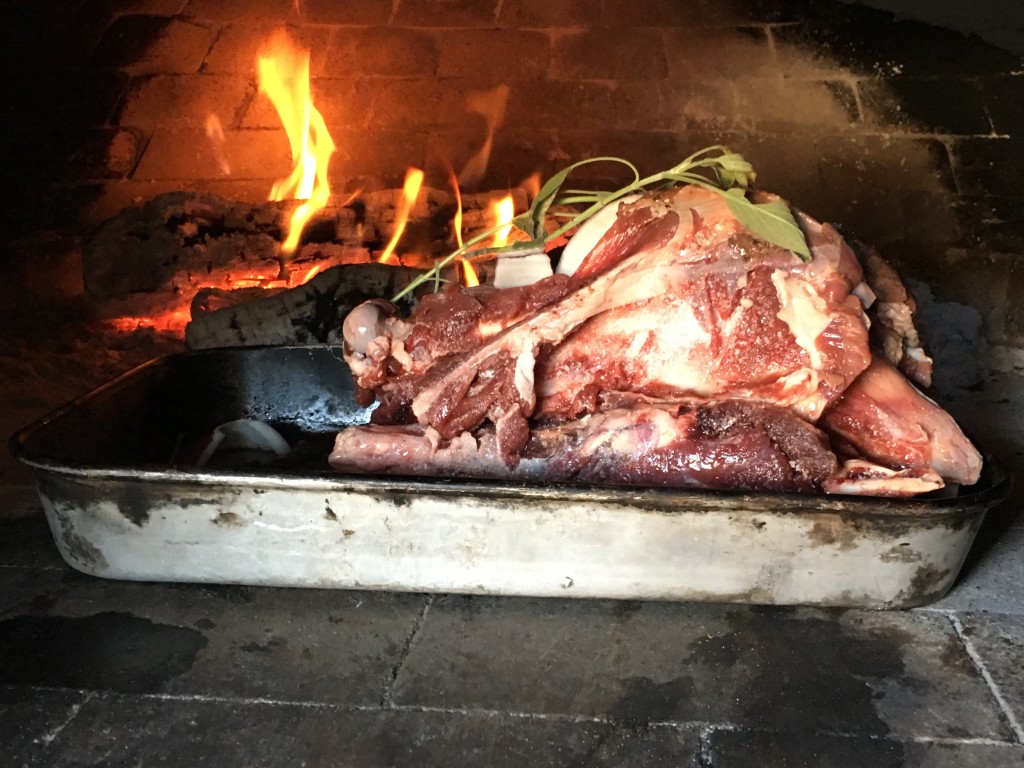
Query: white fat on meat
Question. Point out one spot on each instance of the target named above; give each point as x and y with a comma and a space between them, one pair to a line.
857, 477
804, 311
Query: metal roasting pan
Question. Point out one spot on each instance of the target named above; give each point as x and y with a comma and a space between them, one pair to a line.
119, 507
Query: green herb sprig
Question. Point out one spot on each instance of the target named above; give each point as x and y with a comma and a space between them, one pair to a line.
716, 168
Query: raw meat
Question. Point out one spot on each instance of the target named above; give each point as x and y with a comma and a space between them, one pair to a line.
882, 417
717, 446
677, 301
682, 350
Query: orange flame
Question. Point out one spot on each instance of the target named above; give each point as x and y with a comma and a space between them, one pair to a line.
469, 276
457, 219
503, 212
531, 185
284, 78
410, 191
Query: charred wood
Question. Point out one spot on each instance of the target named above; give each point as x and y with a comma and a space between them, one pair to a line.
312, 313
176, 241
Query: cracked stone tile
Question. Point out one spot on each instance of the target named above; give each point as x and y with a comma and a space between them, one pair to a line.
29, 718
999, 641
869, 673
286, 644
993, 579
128, 731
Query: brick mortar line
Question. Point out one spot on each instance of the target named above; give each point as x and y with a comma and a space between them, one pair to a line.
387, 698
982, 668
218, 33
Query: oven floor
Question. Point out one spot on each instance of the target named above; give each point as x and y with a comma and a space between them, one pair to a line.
96, 672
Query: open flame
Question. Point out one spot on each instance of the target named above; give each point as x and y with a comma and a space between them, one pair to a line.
531, 185
503, 212
284, 78
410, 191
469, 276
490, 105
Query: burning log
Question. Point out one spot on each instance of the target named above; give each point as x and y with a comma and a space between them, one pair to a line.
309, 314
183, 241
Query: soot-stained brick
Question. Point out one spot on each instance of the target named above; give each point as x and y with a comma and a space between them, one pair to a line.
383, 51
744, 749
346, 12
152, 45
446, 13
989, 166
105, 651
621, 54
935, 105
873, 42
26, 717
1003, 95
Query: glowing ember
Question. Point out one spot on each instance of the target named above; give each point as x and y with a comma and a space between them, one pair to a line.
170, 321
284, 78
410, 191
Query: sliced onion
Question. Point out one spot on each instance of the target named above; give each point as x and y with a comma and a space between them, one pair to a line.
512, 271
244, 434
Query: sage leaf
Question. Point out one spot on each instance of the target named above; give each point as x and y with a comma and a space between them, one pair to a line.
717, 168
772, 221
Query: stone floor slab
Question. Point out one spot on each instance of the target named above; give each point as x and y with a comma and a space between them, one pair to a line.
993, 578
744, 750
789, 669
285, 644
25, 538
130, 731
999, 642
29, 718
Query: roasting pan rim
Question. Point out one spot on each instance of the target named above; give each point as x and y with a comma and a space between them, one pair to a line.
993, 486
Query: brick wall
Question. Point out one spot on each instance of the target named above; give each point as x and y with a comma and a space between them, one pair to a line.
908, 135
